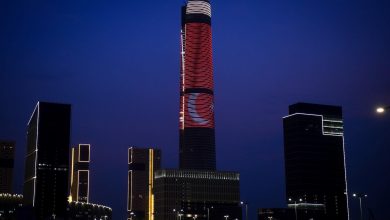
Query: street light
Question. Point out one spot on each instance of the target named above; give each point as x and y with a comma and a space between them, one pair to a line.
208, 212
381, 109
360, 196
132, 214
246, 209
295, 207
179, 213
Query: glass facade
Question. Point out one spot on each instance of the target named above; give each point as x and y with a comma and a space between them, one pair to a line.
315, 158
47, 160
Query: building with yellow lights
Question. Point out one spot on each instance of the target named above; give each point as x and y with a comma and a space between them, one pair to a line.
142, 162
79, 177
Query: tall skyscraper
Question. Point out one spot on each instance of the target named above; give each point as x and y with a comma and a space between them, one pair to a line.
196, 190
315, 158
197, 136
142, 164
7, 153
47, 160
79, 177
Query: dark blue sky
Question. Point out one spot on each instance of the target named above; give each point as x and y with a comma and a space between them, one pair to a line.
117, 63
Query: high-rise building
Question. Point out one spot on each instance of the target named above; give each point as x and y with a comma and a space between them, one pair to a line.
47, 161
79, 175
142, 163
197, 136
196, 190
7, 153
193, 194
315, 158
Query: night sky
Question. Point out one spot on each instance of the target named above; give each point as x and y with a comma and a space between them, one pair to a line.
117, 63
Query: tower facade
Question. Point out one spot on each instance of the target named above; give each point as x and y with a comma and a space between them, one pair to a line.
79, 177
197, 135
47, 160
7, 153
142, 164
315, 158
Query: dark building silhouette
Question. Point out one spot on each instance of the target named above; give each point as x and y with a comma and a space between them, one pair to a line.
47, 161
7, 154
79, 175
197, 136
315, 158
191, 194
10, 204
142, 164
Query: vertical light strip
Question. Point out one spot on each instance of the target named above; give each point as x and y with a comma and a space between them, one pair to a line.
150, 197
88, 187
182, 35
129, 180
345, 176
36, 156
129, 190
78, 183
70, 199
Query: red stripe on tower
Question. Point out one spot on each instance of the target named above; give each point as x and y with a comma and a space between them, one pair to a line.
197, 139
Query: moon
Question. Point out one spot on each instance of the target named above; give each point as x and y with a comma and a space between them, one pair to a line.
192, 110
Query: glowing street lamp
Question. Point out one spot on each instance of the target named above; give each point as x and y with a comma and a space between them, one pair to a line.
360, 196
208, 212
132, 214
295, 206
381, 109
179, 213
246, 209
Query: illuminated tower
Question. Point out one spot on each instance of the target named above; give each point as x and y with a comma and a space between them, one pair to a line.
7, 153
140, 198
79, 179
197, 136
47, 161
315, 159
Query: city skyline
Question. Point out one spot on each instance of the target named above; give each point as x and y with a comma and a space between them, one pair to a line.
267, 57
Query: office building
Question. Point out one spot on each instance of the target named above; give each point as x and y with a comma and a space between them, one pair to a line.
142, 163
47, 161
7, 154
315, 158
191, 194
197, 135
79, 175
